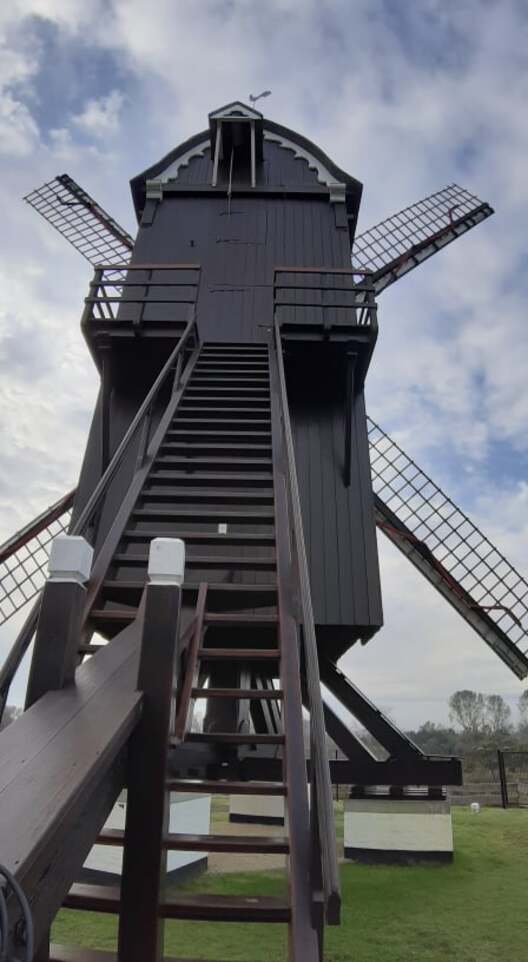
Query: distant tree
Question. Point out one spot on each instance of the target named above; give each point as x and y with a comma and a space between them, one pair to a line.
497, 717
467, 709
435, 739
523, 706
10, 713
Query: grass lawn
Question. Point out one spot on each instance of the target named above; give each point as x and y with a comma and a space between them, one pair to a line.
475, 910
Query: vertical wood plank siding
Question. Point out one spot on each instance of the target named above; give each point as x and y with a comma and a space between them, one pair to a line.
238, 244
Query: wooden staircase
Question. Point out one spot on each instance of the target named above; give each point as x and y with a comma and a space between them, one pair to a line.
216, 482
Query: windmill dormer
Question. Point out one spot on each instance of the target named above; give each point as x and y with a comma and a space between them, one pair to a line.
236, 144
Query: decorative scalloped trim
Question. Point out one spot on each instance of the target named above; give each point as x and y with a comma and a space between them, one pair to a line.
323, 174
171, 172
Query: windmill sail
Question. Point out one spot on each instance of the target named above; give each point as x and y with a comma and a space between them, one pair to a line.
80, 219
24, 556
397, 245
450, 551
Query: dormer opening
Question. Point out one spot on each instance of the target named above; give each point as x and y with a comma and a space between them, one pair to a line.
236, 145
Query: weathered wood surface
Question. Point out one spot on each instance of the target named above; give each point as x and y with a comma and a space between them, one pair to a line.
61, 768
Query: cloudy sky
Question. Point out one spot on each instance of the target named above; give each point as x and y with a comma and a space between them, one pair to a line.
407, 97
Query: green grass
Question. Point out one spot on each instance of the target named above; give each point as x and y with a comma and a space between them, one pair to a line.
475, 910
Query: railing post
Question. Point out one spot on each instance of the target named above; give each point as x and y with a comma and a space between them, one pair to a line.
58, 631
503, 780
144, 856
59, 624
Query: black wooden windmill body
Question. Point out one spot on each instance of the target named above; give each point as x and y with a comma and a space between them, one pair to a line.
233, 338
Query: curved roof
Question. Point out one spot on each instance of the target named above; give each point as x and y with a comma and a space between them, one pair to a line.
328, 173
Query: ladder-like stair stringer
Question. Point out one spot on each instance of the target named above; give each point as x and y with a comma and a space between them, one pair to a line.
215, 489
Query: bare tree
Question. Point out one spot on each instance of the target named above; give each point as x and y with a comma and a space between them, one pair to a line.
467, 709
523, 707
498, 716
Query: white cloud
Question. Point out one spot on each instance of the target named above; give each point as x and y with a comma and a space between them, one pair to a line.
101, 117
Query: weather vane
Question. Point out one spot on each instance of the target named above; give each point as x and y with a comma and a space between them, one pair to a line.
253, 98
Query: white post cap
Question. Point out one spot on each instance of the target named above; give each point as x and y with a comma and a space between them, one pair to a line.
70, 559
166, 564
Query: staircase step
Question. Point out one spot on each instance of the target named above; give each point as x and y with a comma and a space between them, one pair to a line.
116, 617
237, 434
220, 597
216, 448
184, 479
204, 561
229, 380
239, 654
205, 515
206, 496
231, 349
233, 619
262, 844
93, 898
203, 537
218, 787
205, 908
213, 464
222, 368
255, 395
183, 842
230, 423
188, 411
251, 694
244, 405
234, 738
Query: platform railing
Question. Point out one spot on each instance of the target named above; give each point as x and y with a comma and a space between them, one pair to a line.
141, 294
340, 296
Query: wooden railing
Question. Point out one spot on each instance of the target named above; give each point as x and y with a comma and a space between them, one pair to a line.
141, 294
175, 367
339, 295
323, 839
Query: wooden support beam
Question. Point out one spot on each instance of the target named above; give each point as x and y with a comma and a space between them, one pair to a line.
145, 857
61, 769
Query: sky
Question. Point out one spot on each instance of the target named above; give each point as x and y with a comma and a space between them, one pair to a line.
407, 97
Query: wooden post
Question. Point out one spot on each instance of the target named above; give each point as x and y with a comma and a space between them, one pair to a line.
58, 632
502, 776
145, 857
59, 625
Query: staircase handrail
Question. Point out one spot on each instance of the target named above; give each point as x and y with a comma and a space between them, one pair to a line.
323, 803
100, 489
23, 640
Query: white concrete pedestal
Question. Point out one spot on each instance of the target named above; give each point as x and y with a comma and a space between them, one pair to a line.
388, 830
188, 813
259, 809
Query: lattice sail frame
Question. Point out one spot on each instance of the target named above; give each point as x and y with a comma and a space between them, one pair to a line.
461, 552
24, 558
401, 242
81, 220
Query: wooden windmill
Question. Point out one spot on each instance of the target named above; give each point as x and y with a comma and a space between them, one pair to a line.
233, 337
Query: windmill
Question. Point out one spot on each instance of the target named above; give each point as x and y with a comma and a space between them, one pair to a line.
209, 331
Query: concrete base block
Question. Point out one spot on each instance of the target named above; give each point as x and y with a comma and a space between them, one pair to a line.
388, 830
257, 809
